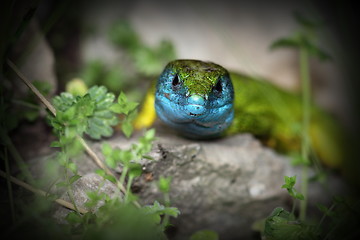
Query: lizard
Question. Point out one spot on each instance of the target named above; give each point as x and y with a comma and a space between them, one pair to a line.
202, 100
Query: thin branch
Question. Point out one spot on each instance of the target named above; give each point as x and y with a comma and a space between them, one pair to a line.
32, 87
93, 155
62, 202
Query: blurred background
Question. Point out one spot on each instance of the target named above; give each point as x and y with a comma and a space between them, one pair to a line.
125, 44
235, 34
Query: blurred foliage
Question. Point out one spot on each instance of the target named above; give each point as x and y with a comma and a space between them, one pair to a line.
149, 61
144, 63
305, 37
204, 235
282, 225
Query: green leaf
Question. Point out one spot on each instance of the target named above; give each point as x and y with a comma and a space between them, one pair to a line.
204, 235
282, 225
289, 182
124, 106
85, 106
117, 108
299, 196
103, 174
69, 114
117, 154
110, 162
74, 178
285, 42
100, 172
135, 170
127, 128
72, 166
55, 144
126, 156
148, 157
316, 51
100, 122
289, 185
106, 149
64, 101
110, 178
73, 218
164, 184
171, 211
150, 134
94, 198
62, 184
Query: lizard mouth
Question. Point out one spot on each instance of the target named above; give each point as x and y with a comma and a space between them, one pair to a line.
195, 109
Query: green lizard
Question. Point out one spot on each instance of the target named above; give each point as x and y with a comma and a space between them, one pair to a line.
202, 100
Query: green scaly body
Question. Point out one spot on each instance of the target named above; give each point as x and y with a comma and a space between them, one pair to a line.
275, 115
263, 109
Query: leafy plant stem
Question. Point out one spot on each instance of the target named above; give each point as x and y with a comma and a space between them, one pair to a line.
72, 199
293, 206
9, 186
41, 192
128, 186
305, 80
167, 204
53, 111
123, 175
69, 187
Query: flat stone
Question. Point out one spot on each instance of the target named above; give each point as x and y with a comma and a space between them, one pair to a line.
225, 184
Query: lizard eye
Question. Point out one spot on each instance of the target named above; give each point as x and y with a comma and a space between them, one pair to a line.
218, 86
175, 81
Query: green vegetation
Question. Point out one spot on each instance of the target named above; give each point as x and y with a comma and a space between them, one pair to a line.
282, 224
144, 61
94, 114
77, 115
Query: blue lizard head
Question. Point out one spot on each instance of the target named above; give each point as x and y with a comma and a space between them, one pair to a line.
195, 98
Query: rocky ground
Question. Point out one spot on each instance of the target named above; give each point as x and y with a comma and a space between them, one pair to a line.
224, 185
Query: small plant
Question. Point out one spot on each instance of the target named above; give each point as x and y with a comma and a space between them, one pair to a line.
305, 41
282, 224
93, 115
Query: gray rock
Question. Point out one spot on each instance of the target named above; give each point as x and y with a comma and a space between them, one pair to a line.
224, 185
87, 183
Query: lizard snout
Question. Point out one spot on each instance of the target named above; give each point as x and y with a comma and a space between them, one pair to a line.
195, 105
